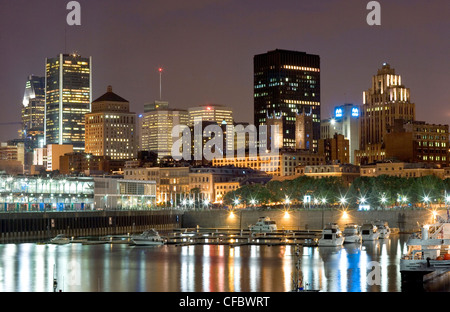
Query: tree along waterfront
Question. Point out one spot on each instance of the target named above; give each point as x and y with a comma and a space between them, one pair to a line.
382, 192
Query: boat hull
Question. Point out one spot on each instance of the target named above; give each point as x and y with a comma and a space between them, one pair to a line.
370, 237
352, 239
147, 243
331, 242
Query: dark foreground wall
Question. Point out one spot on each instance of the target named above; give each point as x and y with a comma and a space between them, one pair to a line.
36, 226
405, 220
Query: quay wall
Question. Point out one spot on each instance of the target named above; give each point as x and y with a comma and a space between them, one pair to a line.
407, 221
44, 225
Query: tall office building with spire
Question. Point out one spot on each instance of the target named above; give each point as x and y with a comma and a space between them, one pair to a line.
287, 83
68, 97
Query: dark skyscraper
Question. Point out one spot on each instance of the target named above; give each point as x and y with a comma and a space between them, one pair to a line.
68, 97
287, 83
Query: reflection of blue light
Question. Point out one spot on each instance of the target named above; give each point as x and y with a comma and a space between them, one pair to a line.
355, 112
140, 116
338, 112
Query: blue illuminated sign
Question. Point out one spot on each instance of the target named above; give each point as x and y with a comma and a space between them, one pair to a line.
338, 112
355, 112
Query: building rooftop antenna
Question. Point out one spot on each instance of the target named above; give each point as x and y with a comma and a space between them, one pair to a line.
160, 81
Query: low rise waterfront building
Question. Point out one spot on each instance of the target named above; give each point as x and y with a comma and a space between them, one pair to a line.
118, 194
404, 170
31, 193
347, 172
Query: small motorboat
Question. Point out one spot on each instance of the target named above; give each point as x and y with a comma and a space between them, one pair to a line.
147, 238
60, 239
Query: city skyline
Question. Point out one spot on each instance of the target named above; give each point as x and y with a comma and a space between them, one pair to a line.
130, 42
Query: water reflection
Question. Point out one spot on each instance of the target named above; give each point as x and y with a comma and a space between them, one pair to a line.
207, 268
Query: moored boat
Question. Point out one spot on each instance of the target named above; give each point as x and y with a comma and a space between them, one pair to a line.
60, 239
264, 224
383, 229
331, 236
428, 253
352, 233
369, 232
147, 238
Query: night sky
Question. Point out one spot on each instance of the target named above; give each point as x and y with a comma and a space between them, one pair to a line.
206, 48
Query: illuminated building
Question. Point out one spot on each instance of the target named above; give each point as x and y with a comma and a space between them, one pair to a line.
111, 128
205, 115
335, 149
33, 108
287, 82
68, 97
156, 131
304, 131
346, 122
116, 194
80, 162
386, 100
53, 154
148, 107
277, 165
213, 112
46, 194
172, 183
347, 172
403, 170
418, 141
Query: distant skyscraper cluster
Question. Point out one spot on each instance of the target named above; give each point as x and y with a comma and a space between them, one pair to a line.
57, 109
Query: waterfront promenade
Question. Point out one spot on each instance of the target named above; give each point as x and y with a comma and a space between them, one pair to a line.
43, 225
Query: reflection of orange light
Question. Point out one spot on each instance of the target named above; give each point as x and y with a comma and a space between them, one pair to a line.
345, 214
232, 214
434, 213
286, 214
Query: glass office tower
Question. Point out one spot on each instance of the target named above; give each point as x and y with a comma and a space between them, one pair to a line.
33, 107
287, 83
68, 97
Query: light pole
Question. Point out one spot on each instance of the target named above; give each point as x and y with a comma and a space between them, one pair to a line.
324, 201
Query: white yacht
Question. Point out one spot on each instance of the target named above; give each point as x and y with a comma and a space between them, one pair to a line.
383, 229
264, 224
331, 236
369, 232
147, 238
428, 254
352, 233
60, 239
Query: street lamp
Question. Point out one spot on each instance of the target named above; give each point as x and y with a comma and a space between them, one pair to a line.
324, 201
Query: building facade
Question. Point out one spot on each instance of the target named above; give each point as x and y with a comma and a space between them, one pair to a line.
287, 82
33, 113
386, 100
118, 194
336, 149
33, 193
345, 121
68, 97
111, 128
157, 126
418, 141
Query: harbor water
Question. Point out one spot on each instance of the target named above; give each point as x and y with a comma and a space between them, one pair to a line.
366, 267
